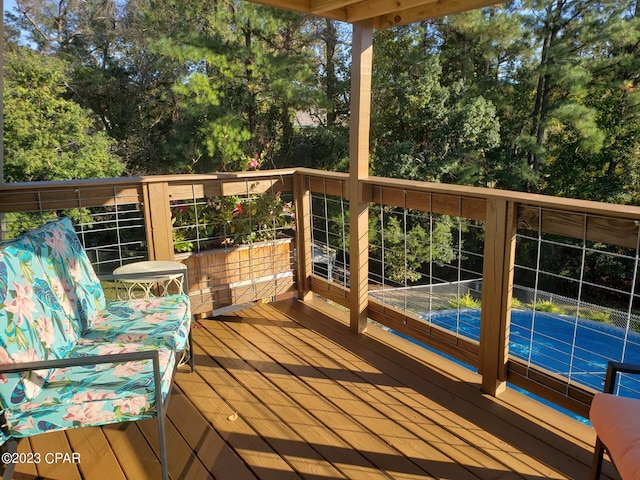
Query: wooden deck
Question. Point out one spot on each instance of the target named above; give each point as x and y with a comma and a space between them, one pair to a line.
283, 391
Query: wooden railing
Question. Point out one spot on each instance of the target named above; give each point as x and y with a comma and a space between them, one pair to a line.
502, 215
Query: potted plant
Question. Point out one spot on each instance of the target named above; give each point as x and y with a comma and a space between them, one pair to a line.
237, 249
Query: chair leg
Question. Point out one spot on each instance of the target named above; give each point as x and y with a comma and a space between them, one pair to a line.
192, 362
164, 463
596, 466
12, 447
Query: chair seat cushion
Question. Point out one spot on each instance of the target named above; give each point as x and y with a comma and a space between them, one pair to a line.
617, 421
136, 320
95, 395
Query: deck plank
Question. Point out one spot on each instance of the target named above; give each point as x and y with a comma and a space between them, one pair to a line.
413, 408
293, 402
211, 449
94, 453
316, 401
394, 400
403, 443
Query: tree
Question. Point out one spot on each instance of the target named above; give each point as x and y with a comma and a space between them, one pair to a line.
46, 136
422, 129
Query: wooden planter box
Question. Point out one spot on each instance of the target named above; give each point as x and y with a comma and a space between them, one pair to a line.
231, 276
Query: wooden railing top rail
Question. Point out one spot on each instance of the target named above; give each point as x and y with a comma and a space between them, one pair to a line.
333, 183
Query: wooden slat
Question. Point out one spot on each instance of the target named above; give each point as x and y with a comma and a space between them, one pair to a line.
337, 422
337, 187
183, 462
23, 471
95, 453
363, 10
314, 400
134, 454
434, 9
457, 206
321, 6
210, 448
522, 424
621, 232
415, 412
432, 335
359, 127
61, 198
47, 446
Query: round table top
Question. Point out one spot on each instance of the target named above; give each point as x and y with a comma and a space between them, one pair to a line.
159, 267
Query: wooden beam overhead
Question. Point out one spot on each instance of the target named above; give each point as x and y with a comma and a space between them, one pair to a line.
303, 6
384, 13
368, 9
318, 7
432, 9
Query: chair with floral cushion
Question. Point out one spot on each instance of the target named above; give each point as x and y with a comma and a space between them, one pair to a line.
67, 358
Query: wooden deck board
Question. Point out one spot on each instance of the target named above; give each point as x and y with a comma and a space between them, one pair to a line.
316, 401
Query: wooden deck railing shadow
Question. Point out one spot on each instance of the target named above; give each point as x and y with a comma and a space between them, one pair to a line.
446, 392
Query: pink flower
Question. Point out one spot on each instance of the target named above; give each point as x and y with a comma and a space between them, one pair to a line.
46, 332
65, 294
133, 405
91, 396
89, 414
58, 374
75, 270
22, 305
128, 369
254, 163
146, 303
155, 318
57, 242
5, 359
238, 210
131, 338
118, 348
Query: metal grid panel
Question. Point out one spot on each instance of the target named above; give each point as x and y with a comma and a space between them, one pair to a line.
582, 298
112, 234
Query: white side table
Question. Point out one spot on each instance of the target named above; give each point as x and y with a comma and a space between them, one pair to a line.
144, 279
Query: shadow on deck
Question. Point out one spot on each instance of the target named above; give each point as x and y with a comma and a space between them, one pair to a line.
284, 391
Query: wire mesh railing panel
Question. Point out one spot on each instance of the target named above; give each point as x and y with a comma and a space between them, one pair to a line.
109, 221
330, 238
576, 301
428, 266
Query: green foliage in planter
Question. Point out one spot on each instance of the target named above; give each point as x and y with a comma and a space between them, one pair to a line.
230, 220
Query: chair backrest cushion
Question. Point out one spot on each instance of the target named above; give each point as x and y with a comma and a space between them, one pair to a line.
70, 272
32, 321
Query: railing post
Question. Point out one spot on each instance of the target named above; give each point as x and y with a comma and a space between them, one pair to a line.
302, 197
497, 289
157, 217
361, 68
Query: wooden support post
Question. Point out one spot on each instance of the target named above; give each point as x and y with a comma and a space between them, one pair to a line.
497, 290
302, 197
157, 217
361, 66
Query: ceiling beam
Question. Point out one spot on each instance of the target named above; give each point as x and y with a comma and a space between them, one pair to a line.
321, 6
303, 6
435, 9
372, 9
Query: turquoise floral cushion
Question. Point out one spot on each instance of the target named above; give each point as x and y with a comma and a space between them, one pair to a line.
96, 395
70, 272
135, 320
32, 321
